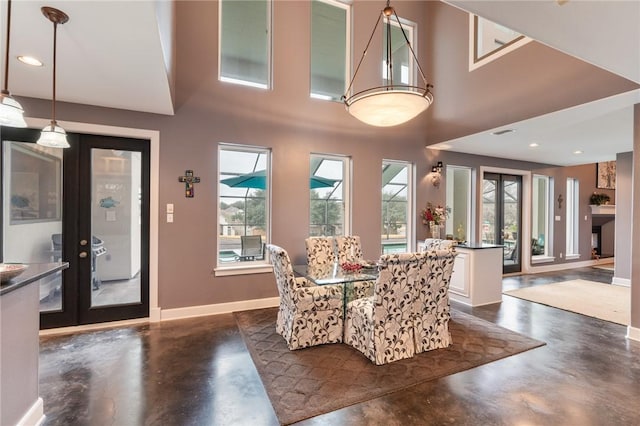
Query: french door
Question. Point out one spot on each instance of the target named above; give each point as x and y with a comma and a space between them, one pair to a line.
87, 205
502, 217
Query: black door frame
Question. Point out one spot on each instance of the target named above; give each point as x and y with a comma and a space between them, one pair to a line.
77, 160
501, 177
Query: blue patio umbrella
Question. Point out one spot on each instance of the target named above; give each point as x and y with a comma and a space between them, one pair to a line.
258, 180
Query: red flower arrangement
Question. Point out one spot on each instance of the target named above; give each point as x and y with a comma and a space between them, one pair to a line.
436, 215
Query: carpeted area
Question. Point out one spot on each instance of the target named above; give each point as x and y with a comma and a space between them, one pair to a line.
603, 301
320, 379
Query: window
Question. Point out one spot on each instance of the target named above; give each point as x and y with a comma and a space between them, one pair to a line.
396, 206
329, 186
541, 225
243, 203
245, 42
489, 41
573, 219
330, 43
403, 66
458, 184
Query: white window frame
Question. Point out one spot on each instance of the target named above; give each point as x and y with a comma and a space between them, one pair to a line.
346, 5
495, 54
346, 187
410, 219
449, 224
547, 256
572, 247
411, 28
249, 267
240, 82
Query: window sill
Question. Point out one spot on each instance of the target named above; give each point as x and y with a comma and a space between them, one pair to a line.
542, 259
572, 257
259, 268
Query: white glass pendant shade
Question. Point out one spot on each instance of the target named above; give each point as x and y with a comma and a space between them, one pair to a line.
11, 112
386, 108
53, 136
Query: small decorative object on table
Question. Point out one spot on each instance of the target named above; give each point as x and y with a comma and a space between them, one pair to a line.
351, 267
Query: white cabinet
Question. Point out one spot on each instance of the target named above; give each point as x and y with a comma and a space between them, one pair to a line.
477, 275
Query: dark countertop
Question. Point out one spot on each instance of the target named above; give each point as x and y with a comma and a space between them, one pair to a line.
34, 272
477, 246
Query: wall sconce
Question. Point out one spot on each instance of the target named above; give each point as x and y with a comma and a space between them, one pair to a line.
436, 174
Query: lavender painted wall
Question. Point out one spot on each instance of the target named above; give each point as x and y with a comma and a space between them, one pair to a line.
624, 209
527, 82
635, 221
293, 126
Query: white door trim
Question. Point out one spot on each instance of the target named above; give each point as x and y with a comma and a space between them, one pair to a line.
154, 197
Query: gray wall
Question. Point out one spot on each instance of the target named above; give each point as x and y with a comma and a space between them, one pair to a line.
635, 220
293, 126
624, 208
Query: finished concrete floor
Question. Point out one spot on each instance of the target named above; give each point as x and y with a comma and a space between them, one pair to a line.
199, 372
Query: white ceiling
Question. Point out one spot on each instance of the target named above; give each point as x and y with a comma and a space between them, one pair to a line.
605, 33
110, 53
116, 54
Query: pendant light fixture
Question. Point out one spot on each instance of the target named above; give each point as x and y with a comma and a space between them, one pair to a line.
53, 135
11, 112
390, 104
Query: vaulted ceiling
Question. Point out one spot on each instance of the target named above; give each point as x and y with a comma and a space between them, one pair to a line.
118, 54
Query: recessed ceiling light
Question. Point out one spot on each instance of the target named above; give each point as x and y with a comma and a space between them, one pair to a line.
29, 60
533, 145
577, 151
502, 132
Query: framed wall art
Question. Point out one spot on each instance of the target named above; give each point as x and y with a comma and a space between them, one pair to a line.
606, 175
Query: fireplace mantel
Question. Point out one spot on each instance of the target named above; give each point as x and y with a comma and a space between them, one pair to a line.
603, 210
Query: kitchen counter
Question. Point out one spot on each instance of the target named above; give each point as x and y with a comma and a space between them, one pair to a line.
34, 272
19, 327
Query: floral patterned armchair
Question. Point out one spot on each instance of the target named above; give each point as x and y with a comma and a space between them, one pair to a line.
320, 250
438, 244
381, 326
431, 306
309, 315
350, 250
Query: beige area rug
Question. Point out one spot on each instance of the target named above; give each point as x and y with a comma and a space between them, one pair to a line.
313, 381
603, 301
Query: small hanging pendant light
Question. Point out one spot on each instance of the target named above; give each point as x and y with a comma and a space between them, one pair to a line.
53, 135
11, 112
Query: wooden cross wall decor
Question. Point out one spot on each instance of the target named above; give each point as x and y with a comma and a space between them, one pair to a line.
188, 180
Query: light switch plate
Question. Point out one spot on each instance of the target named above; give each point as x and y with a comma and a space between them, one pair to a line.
557, 218
169, 208
169, 217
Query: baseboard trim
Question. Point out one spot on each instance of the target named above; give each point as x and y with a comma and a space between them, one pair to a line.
568, 265
157, 315
220, 308
92, 327
624, 282
34, 416
633, 333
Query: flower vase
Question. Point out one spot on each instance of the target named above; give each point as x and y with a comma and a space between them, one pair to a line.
435, 230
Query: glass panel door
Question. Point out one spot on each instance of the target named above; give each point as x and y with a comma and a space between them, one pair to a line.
87, 205
116, 221
501, 216
32, 211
